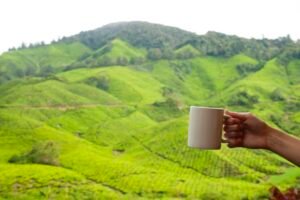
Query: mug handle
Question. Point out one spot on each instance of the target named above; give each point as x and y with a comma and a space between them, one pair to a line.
222, 139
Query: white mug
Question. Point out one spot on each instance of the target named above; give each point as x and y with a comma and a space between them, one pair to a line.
205, 127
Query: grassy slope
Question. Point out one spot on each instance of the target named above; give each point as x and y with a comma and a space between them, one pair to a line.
56, 55
198, 79
123, 49
125, 171
128, 85
53, 92
114, 51
271, 77
187, 49
33, 59
111, 147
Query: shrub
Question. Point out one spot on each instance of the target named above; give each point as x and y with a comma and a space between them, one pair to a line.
84, 56
137, 60
104, 61
168, 109
74, 66
166, 91
277, 95
292, 106
154, 54
186, 54
246, 68
170, 103
242, 98
46, 70
122, 61
101, 82
181, 69
43, 153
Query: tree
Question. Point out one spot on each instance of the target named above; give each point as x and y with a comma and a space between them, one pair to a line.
246, 68
292, 52
105, 61
167, 53
30, 70
137, 60
154, 54
23, 45
101, 82
185, 54
84, 56
122, 61
46, 70
19, 72
12, 49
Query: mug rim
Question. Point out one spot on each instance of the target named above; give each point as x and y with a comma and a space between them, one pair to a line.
207, 108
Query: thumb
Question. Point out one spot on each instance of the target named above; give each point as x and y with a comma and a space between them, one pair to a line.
240, 115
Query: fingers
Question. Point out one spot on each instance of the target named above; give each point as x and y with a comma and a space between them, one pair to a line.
239, 115
233, 134
230, 121
233, 124
235, 142
234, 127
226, 117
234, 138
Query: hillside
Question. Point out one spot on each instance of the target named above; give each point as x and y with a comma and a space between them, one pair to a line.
113, 53
139, 34
39, 61
109, 120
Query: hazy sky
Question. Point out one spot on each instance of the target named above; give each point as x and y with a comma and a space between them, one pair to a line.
32, 21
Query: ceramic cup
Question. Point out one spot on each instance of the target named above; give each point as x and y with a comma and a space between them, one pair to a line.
205, 127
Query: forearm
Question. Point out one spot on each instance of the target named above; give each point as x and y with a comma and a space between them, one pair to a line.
285, 145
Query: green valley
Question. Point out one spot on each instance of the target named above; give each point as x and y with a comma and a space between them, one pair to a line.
104, 114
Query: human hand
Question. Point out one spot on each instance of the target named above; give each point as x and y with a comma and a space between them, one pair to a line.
245, 130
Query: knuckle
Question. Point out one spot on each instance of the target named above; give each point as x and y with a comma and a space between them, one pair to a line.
232, 134
235, 121
229, 120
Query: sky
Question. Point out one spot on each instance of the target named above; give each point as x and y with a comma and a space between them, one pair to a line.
34, 21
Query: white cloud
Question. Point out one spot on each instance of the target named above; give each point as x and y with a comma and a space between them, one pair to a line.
44, 20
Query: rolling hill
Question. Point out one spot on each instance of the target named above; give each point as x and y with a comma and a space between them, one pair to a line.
103, 114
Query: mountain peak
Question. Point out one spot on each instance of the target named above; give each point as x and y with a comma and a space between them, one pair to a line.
137, 33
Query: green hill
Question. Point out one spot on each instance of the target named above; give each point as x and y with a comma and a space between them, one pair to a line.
139, 34
187, 51
41, 61
115, 52
118, 130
